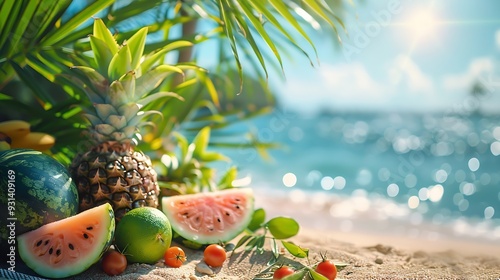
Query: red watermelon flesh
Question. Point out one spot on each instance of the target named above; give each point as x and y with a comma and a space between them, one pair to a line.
69, 246
212, 217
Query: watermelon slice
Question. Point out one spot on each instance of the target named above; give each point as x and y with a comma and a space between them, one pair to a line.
207, 218
69, 246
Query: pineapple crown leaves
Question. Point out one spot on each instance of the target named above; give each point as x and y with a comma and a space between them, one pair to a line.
191, 163
121, 84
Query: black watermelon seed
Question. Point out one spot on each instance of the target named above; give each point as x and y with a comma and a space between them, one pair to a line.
46, 242
90, 228
218, 220
39, 243
71, 246
237, 206
58, 252
86, 236
228, 214
50, 251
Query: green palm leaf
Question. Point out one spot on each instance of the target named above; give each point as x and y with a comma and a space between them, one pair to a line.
52, 36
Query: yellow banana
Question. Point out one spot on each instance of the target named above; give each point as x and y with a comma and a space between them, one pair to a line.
15, 129
34, 140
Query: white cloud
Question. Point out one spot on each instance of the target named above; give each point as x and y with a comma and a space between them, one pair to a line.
350, 80
479, 68
406, 73
338, 86
353, 86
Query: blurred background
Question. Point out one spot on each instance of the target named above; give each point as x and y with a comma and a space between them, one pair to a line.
397, 131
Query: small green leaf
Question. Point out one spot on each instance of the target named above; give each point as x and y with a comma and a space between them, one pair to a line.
152, 58
152, 79
283, 227
157, 95
316, 276
252, 243
182, 143
275, 249
260, 243
212, 156
201, 141
340, 265
227, 179
102, 54
136, 44
209, 85
138, 120
120, 64
188, 156
296, 276
128, 83
295, 250
258, 218
242, 241
101, 32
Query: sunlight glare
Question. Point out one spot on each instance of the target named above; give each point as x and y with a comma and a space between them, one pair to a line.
422, 23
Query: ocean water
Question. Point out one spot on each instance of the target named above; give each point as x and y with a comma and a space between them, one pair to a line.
438, 169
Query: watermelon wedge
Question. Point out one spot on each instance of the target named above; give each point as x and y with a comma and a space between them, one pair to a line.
68, 247
207, 218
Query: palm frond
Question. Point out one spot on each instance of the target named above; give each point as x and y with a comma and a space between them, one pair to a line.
41, 39
253, 24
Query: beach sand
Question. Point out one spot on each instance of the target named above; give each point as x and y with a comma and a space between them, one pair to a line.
370, 254
377, 261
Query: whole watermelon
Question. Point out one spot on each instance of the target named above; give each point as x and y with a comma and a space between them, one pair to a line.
35, 189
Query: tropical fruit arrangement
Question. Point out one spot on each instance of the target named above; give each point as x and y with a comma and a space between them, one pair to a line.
66, 217
110, 206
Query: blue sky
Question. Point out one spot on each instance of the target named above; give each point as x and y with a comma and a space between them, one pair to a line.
401, 55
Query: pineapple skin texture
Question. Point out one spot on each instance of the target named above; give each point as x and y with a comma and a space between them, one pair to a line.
120, 176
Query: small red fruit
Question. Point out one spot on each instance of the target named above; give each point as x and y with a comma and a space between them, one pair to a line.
283, 271
175, 257
113, 263
327, 268
214, 255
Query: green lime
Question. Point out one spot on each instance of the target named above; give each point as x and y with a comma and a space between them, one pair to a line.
143, 235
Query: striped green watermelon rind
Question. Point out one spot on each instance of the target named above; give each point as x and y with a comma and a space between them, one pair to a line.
207, 218
41, 188
77, 251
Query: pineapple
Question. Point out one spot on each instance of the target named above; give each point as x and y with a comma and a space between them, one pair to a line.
111, 170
